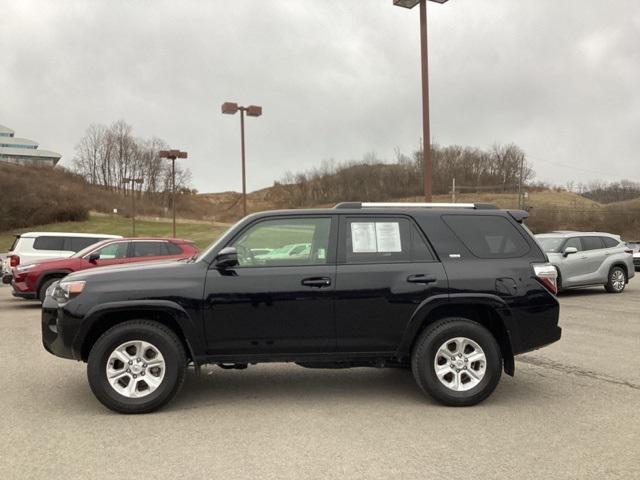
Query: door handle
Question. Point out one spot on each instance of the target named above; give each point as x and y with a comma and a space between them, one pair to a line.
421, 278
318, 282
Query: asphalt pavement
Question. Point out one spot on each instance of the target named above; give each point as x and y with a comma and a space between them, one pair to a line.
571, 412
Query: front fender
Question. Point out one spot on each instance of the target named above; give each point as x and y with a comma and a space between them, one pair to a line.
178, 314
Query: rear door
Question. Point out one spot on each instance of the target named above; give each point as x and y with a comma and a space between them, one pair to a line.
385, 270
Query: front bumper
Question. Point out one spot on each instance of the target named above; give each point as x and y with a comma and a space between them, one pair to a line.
53, 335
21, 294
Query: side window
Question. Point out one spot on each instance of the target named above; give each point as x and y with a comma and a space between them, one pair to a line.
574, 242
150, 249
592, 243
49, 243
383, 240
609, 242
173, 249
284, 242
488, 236
75, 244
113, 251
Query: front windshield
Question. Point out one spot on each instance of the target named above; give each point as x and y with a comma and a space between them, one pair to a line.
88, 249
551, 244
205, 252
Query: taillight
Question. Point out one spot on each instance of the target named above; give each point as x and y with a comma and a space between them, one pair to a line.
14, 260
547, 275
629, 251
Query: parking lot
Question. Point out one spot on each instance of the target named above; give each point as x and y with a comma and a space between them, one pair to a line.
572, 411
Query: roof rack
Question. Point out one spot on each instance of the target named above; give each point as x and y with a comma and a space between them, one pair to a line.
359, 205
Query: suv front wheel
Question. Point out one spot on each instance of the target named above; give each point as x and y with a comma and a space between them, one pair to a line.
457, 361
136, 366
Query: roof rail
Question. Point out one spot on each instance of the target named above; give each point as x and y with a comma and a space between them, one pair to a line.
359, 205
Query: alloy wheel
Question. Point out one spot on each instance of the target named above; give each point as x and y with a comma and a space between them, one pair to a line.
135, 369
460, 364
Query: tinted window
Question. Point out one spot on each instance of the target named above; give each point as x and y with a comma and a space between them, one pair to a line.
591, 243
610, 242
150, 249
113, 251
383, 240
173, 249
75, 244
488, 236
49, 243
284, 242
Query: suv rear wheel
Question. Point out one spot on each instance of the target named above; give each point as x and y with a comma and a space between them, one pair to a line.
457, 361
616, 281
136, 366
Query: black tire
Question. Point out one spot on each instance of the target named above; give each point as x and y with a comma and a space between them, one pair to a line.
42, 291
161, 337
424, 356
615, 274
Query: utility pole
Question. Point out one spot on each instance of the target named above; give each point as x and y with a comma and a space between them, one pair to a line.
520, 195
172, 155
453, 190
133, 181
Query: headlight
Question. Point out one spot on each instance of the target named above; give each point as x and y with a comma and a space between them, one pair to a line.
65, 291
24, 268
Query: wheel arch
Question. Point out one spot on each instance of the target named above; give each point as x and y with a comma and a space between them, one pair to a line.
103, 318
621, 264
482, 309
51, 274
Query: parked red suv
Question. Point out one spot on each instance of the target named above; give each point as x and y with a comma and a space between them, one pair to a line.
31, 281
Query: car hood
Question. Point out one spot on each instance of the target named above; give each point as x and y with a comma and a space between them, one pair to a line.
127, 270
58, 263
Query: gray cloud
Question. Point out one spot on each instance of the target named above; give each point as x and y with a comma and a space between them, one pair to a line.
337, 79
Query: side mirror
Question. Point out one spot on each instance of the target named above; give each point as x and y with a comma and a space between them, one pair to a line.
94, 257
226, 258
569, 250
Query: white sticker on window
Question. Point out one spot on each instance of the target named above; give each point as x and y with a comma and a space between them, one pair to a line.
388, 237
363, 237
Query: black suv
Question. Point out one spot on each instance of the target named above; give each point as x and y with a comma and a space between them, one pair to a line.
451, 291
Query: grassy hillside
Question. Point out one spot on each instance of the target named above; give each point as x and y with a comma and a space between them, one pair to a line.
202, 233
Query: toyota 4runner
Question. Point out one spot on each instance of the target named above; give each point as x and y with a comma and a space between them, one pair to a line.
452, 291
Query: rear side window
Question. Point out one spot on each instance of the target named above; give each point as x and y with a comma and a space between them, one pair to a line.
75, 244
488, 236
610, 242
49, 243
150, 249
384, 240
592, 243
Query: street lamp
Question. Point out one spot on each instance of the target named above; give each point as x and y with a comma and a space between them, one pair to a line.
426, 135
230, 108
172, 155
133, 181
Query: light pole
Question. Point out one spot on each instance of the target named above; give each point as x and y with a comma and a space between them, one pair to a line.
230, 108
424, 55
133, 181
172, 155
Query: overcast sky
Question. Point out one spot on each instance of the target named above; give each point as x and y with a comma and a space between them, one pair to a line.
336, 79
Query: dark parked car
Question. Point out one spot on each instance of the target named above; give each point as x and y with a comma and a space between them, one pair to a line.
451, 291
32, 280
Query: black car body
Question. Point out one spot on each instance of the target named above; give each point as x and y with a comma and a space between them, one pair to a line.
349, 303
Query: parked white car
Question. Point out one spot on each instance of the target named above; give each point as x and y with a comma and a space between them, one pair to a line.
33, 247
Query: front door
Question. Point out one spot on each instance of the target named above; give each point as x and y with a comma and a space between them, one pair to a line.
279, 299
385, 271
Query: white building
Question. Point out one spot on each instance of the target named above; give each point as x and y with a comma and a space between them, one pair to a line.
23, 151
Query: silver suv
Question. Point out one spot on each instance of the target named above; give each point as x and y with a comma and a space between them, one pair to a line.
589, 258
